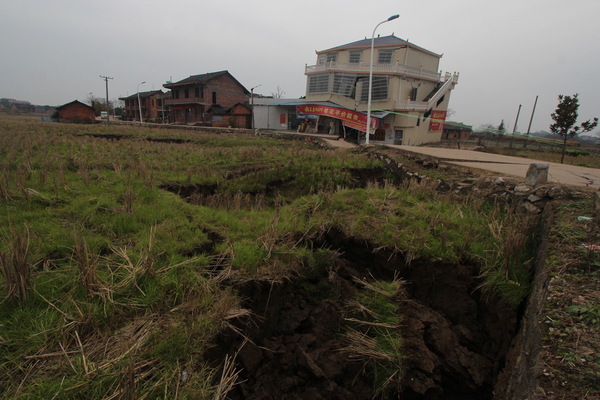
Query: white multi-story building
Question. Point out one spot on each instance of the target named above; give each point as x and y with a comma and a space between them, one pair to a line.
410, 95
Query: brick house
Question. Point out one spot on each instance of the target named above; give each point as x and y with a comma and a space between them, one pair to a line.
152, 106
77, 112
212, 99
457, 130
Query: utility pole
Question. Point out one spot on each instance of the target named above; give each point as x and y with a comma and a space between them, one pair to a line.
515, 127
517, 119
530, 120
106, 78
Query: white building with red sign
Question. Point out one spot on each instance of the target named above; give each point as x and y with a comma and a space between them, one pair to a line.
410, 95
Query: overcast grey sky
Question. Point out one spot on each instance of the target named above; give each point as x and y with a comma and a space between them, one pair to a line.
507, 52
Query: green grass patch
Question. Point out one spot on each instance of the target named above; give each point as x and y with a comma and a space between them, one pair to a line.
113, 261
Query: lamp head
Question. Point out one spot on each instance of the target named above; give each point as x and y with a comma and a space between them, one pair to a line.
393, 17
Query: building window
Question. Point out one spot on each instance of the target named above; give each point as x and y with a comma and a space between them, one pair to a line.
318, 83
197, 91
187, 93
214, 97
413, 94
344, 83
331, 57
385, 56
355, 57
379, 91
175, 93
440, 100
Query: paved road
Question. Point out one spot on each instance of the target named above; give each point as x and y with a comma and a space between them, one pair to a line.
508, 165
504, 165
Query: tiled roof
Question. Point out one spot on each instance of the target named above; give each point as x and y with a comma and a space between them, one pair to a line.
73, 102
203, 79
381, 41
143, 95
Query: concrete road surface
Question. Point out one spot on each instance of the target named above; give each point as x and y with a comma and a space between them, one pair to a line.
503, 165
508, 165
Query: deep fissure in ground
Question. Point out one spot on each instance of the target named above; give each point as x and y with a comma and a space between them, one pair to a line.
455, 339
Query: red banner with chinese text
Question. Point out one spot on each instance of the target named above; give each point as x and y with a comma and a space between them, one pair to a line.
354, 119
438, 117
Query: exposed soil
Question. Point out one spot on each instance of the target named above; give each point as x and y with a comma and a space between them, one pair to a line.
215, 195
187, 191
455, 340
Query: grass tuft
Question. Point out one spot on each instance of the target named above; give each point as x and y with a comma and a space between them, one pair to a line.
15, 265
373, 334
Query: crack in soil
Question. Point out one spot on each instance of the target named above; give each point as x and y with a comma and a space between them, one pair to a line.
455, 341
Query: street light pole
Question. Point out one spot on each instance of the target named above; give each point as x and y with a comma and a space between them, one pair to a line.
140, 104
393, 17
252, 104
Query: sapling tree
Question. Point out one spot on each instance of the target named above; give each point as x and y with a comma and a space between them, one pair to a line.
565, 120
501, 128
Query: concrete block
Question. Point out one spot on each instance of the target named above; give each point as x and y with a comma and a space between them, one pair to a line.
537, 174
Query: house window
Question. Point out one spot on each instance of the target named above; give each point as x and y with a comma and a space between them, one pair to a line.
214, 97
175, 93
355, 57
331, 57
344, 83
197, 91
318, 83
385, 56
187, 93
379, 91
152, 102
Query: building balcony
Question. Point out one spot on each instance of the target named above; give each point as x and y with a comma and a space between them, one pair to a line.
409, 105
392, 69
450, 80
191, 100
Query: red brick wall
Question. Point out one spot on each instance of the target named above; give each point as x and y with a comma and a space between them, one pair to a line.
228, 92
150, 110
76, 112
239, 117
